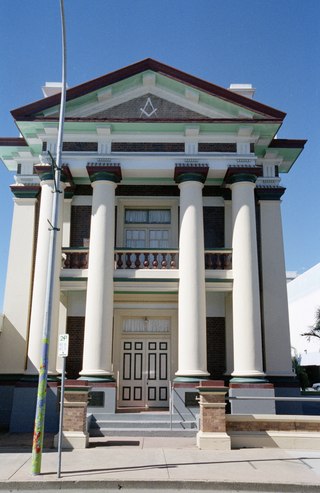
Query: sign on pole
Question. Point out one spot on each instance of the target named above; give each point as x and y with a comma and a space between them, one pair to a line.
63, 345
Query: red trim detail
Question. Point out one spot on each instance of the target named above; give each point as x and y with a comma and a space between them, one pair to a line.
287, 144
251, 385
13, 141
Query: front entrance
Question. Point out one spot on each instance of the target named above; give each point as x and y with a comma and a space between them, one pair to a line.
144, 372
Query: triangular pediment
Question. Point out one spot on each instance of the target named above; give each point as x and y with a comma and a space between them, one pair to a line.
146, 107
149, 90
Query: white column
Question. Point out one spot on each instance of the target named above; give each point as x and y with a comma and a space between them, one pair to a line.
66, 223
246, 297
40, 281
274, 289
17, 296
192, 307
97, 354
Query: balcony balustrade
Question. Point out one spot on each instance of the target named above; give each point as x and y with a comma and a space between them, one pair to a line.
218, 259
75, 258
126, 258
148, 259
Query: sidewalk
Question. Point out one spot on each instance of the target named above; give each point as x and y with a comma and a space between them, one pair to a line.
170, 464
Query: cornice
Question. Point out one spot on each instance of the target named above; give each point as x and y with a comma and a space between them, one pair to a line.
25, 191
269, 193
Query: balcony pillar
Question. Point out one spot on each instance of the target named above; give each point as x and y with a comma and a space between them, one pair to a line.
97, 350
192, 359
41, 274
247, 338
274, 287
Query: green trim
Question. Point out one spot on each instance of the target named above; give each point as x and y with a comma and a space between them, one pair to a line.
145, 292
190, 177
151, 250
25, 192
213, 390
125, 279
96, 379
190, 379
219, 280
104, 176
248, 380
66, 249
73, 278
242, 177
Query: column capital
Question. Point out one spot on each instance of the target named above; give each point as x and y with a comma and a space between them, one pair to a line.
237, 174
104, 172
69, 192
270, 193
190, 172
44, 171
25, 191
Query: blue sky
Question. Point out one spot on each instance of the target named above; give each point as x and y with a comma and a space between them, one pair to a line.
273, 44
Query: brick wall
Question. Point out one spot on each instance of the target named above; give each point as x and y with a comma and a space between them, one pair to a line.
216, 347
213, 217
75, 329
147, 190
213, 221
274, 423
147, 147
154, 190
80, 224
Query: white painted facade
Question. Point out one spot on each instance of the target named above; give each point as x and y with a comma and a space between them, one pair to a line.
177, 272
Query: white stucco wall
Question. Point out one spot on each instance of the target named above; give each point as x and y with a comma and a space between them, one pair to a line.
304, 299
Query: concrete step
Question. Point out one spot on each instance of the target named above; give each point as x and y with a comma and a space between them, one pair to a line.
136, 432
106, 424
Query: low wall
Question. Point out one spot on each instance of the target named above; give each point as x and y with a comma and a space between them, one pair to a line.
268, 430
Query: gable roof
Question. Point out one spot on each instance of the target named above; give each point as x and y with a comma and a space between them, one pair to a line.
29, 111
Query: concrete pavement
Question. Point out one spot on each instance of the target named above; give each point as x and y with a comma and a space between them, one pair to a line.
161, 464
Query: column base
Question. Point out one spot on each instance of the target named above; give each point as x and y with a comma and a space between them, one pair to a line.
191, 375
213, 441
73, 440
96, 376
249, 377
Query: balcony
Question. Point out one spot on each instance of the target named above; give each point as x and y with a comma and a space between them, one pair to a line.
147, 259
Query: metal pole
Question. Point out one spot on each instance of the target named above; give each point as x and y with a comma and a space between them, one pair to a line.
61, 415
171, 405
43, 371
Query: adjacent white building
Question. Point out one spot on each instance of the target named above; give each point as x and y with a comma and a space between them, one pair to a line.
304, 301
171, 264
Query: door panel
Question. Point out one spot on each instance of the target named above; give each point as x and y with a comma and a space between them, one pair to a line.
144, 376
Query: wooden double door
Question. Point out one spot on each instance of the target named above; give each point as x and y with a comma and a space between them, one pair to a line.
144, 372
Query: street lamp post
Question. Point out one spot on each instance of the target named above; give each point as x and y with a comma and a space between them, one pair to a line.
54, 228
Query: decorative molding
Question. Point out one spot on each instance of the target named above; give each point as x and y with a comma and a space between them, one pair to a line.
25, 191
269, 193
237, 174
191, 172
107, 171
